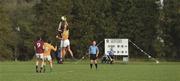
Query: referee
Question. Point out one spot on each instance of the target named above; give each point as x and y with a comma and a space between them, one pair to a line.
93, 51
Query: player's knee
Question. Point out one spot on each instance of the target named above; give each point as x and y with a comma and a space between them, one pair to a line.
95, 62
50, 62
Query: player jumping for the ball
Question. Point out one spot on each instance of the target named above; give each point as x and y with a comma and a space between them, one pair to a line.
65, 43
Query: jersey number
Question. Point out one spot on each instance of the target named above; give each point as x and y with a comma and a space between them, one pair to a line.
38, 45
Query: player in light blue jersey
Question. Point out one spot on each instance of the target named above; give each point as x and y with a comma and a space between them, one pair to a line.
93, 52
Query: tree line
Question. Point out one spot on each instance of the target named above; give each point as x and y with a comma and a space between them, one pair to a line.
145, 22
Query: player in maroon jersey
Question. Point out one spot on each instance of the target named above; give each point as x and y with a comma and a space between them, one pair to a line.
39, 50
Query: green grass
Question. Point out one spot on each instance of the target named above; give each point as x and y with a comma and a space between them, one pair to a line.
134, 71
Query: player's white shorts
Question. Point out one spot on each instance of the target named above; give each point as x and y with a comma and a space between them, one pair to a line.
47, 58
65, 43
39, 56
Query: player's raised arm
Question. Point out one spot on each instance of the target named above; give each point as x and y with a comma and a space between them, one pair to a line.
62, 23
59, 28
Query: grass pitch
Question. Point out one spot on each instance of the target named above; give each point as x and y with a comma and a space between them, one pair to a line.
136, 71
